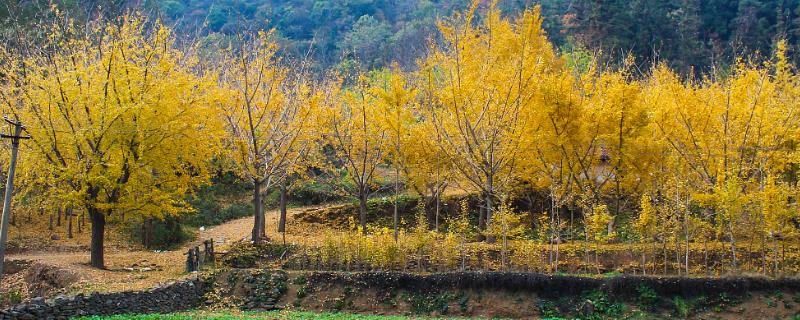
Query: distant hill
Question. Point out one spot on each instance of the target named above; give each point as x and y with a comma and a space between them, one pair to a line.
689, 34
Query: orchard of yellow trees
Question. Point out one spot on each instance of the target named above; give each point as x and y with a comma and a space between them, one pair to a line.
669, 174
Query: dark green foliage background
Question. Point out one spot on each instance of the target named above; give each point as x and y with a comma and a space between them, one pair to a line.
693, 36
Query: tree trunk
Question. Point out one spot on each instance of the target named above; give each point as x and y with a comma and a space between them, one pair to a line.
686, 257
733, 246
553, 258
58, 217
362, 212
463, 256
654, 256
488, 209
783, 254
558, 252
775, 256
396, 216
586, 249
618, 173
504, 249
98, 235
705, 255
597, 257
490, 238
644, 262
665, 254
550, 252
145, 244
481, 224
68, 216
438, 201
678, 254
427, 207
282, 218
147, 231
258, 216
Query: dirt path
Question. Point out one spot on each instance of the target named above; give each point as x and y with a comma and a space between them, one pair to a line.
124, 267
240, 229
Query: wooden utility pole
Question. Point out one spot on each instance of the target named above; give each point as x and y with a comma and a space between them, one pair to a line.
9, 186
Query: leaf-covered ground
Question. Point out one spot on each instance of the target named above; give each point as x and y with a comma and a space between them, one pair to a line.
169, 265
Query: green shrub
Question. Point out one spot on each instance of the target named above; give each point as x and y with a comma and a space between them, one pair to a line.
547, 309
302, 292
422, 303
463, 303
300, 280
312, 193
209, 212
248, 255
10, 297
167, 234
241, 255
220, 201
647, 296
600, 306
682, 307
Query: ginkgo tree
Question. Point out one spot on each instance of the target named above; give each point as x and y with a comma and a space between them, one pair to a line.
485, 78
118, 119
355, 140
618, 127
728, 133
777, 214
267, 115
397, 98
646, 226
427, 169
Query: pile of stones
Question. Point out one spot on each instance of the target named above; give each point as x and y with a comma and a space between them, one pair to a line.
171, 297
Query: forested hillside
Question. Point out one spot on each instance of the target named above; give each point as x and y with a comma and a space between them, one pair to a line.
694, 36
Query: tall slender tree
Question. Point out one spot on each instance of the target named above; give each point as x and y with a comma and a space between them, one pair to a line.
267, 115
486, 91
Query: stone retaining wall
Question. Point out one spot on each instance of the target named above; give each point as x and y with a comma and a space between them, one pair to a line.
172, 297
393, 292
548, 284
